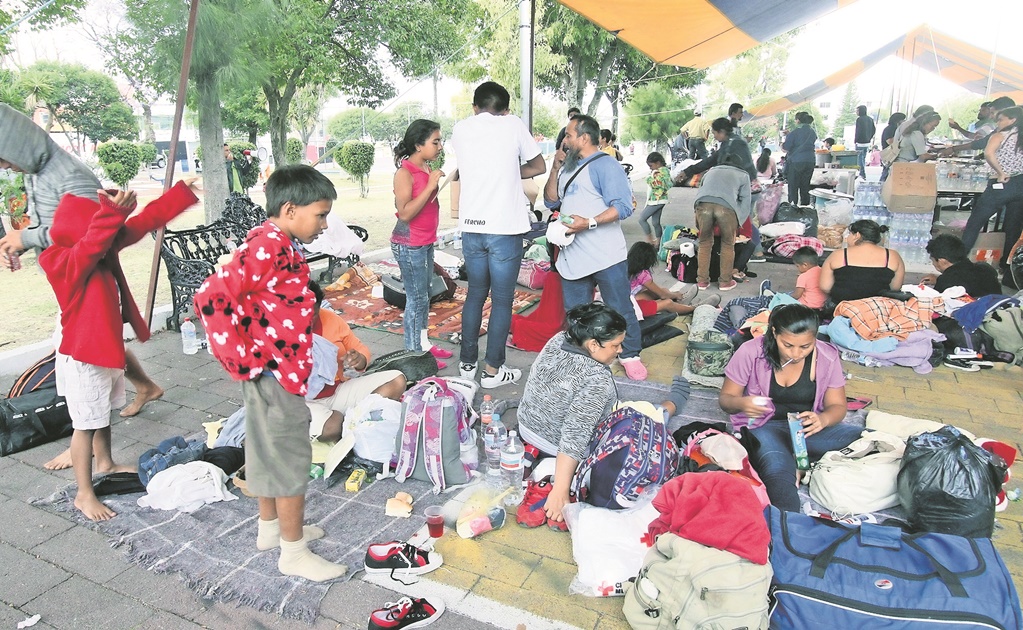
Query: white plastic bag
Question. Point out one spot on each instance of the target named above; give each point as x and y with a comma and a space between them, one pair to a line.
337, 240
375, 422
608, 545
774, 230
836, 211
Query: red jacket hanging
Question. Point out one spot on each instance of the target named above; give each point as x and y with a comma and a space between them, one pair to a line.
86, 275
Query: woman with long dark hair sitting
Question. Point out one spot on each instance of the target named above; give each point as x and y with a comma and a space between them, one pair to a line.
570, 390
793, 372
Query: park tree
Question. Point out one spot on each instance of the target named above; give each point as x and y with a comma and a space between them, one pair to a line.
545, 122
48, 15
154, 35
350, 45
306, 107
654, 112
847, 114
755, 76
244, 113
12, 92
86, 101
103, 25
349, 124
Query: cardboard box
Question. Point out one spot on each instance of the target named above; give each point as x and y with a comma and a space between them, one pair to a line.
910, 187
988, 248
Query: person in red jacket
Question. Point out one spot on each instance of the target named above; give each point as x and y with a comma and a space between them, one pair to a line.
95, 302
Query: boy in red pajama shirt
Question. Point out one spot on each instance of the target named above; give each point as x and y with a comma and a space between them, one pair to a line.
258, 314
95, 302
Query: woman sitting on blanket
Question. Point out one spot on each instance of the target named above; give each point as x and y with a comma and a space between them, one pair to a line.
569, 391
795, 373
863, 268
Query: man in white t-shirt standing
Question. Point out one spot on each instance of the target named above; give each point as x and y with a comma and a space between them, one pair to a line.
495, 152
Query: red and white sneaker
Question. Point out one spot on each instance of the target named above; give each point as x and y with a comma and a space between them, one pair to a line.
401, 558
407, 612
531, 511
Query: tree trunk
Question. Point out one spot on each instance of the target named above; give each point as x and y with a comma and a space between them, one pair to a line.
614, 113
252, 136
148, 133
211, 139
602, 75
278, 104
579, 77
436, 109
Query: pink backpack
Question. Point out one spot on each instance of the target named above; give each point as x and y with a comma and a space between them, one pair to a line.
436, 442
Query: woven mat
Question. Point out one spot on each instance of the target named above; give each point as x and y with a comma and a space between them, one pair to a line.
214, 548
360, 308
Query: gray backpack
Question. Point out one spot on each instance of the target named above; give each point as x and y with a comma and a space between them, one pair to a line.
1005, 326
684, 584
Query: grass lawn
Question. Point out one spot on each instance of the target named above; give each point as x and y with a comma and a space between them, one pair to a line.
33, 309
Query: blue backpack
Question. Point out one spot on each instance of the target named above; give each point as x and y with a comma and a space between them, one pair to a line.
874, 576
630, 454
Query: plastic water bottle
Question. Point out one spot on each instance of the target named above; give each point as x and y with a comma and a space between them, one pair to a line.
511, 468
457, 243
189, 343
494, 437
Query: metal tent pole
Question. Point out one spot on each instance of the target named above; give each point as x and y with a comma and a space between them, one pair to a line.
179, 110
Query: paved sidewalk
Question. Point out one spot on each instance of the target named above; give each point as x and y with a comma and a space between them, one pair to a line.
70, 575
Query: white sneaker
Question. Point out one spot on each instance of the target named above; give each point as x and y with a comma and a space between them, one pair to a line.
504, 376
467, 370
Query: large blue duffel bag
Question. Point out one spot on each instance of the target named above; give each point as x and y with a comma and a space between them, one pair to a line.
874, 576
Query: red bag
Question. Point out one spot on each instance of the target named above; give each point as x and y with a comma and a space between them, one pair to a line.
533, 273
531, 332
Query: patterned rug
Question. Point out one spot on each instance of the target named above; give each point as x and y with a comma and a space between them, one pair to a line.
214, 548
360, 308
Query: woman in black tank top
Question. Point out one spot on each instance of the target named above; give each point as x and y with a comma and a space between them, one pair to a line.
875, 269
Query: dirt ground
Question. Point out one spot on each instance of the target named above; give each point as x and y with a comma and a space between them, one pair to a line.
31, 308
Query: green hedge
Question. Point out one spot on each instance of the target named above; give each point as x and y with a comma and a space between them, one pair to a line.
120, 160
357, 159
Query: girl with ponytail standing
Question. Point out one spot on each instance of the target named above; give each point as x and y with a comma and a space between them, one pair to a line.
418, 213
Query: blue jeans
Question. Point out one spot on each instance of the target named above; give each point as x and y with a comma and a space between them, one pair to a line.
1010, 196
653, 214
614, 290
776, 464
416, 265
492, 262
861, 158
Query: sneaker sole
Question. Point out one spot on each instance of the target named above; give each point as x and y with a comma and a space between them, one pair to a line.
963, 368
491, 385
403, 570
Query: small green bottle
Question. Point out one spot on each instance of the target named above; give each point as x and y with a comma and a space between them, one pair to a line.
316, 471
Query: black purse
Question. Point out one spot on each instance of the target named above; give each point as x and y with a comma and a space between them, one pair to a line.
32, 419
414, 365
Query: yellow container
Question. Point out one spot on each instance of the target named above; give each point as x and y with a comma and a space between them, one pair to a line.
355, 480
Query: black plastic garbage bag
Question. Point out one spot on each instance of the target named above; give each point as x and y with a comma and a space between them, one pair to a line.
804, 214
948, 484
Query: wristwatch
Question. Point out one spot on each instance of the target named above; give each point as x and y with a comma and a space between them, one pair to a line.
593, 223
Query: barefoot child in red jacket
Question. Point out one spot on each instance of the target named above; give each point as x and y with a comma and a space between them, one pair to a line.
95, 302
